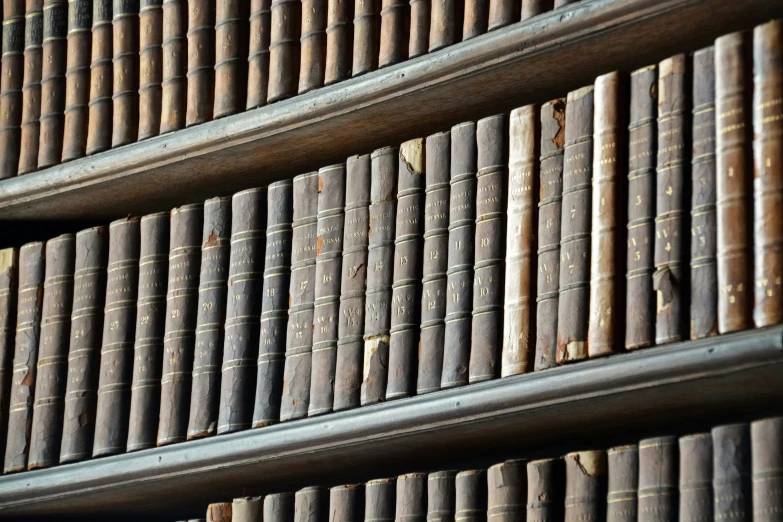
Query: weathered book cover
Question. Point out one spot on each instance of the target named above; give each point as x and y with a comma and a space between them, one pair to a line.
502, 13
150, 67
346, 503
201, 62
339, 40
55, 30
247, 509
470, 491
77, 79
445, 24
313, 45
411, 498
395, 32
695, 478
623, 483
11, 86
174, 82
545, 488
311, 504
766, 438
418, 41
731, 473
366, 36
279, 507
658, 484
586, 486
125, 97
441, 496
507, 491
531, 8
231, 53
475, 18
31, 86
219, 512
284, 49
380, 500
258, 52
99, 127
9, 286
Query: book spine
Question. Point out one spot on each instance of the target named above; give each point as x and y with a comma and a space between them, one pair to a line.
623, 483
77, 79
446, 23
258, 53
313, 45
279, 507
585, 490
350, 342
119, 329
731, 473
150, 327
487, 329
242, 328
150, 67
211, 317
658, 479
561, 3
379, 500
395, 32
55, 30
231, 51
475, 18
11, 77
125, 97
346, 503
704, 273
181, 314
247, 509
328, 269
519, 308
366, 36
339, 41
531, 8
502, 13
32, 263
174, 81
9, 286
607, 290
311, 505
573, 313
219, 512
411, 505
31, 86
733, 183
377, 318
441, 496
201, 62
545, 485
99, 126
419, 27
435, 262
470, 491
507, 491
766, 437
695, 478
459, 276
274, 304
768, 178
52, 352
284, 49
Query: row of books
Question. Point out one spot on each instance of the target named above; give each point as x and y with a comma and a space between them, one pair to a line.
555, 234
83, 76
730, 473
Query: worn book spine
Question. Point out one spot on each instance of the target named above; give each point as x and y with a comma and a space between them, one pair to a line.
53, 352
395, 32
507, 491
411, 505
119, 329
445, 23
77, 79
339, 40
519, 323
350, 342
150, 67
379, 500
346, 503
274, 304
573, 307
32, 262
766, 437
31, 86
242, 327
219, 512
487, 329
695, 478
181, 313
607, 248
311, 504
418, 41
99, 127
622, 483
470, 490
9, 286
174, 81
247, 509
441, 496
211, 317
545, 487
284, 49
231, 51
586, 486
459, 276
125, 97
11, 75
313, 45
733, 181
658, 481
150, 325
55, 30
201, 62
531, 8
502, 13
377, 318
319, 398
731, 473
279, 507
366, 36
258, 53
475, 18
435, 261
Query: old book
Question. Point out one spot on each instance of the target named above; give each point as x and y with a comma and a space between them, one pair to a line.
470, 490
55, 30
313, 45
418, 41
119, 330
507, 491
366, 36
125, 97
77, 79
11, 86
622, 483
379, 500
346, 503
339, 41
519, 323
377, 319
311, 504
319, 398
733, 181
435, 261
53, 351
445, 24
174, 81
210, 319
150, 67
258, 53
231, 51
487, 329
395, 32
301, 298
695, 478
274, 303
704, 268
475, 18
181, 313
531, 8
279, 507
768, 177
561, 3
150, 328
9, 285
411, 505
658, 482
99, 127
31, 86
502, 13
766, 437
242, 328
545, 488
350, 342
441, 496
731, 473
247, 509
284, 47
219, 512
32, 263
459, 276
585, 490
573, 306
607, 247
201, 61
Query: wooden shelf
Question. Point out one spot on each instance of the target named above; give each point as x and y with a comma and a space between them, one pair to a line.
657, 389
528, 62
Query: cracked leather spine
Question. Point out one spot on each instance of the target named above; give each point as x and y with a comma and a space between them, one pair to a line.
99, 119
507, 491
258, 53
11, 77
55, 30
284, 49
125, 96
174, 82
77, 79
312, 67
545, 485
201, 62
586, 485
231, 52
31, 86
151, 67
731, 473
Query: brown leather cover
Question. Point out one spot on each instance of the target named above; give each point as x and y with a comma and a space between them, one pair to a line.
395, 32
9, 285
201, 61
258, 53
11, 86
766, 438
339, 41
366, 36
346, 503
99, 129
545, 488
586, 486
531, 8
284, 49
418, 41
507, 491
623, 482
219, 512
77, 79
150, 67
658, 481
441, 496
247, 509
174, 84
445, 23
279, 508
55, 30
125, 97
31, 86
503, 13
411, 498
311, 505
313, 44
475, 18
231, 51
379, 500
731, 473
471, 496
695, 478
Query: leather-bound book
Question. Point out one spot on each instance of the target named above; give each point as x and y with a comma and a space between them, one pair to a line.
55, 30
658, 479
53, 352
32, 262
150, 328
445, 24
366, 36
311, 504
734, 181
487, 329
346, 503
531, 8
623, 483
219, 512
545, 489
502, 13
766, 437
411, 498
274, 303
174, 82
247, 509
242, 329
379, 500
519, 323
731, 473
211, 317
470, 490
573, 306
607, 248
695, 478
125, 98
459, 276
328, 269
11, 86
150, 67
768, 177
9, 285
586, 486
31, 86
507, 491
435, 261
119, 330
77, 79
475, 18
406, 286
441, 496
284, 47
258, 53
704, 268
279, 508
201, 61
418, 41
181, 314
231, 51
350, 342
313, 45
395, 32
339, 41
99, 127
377, 319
